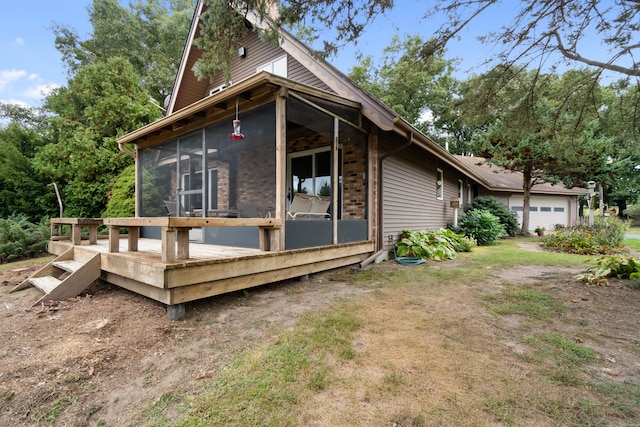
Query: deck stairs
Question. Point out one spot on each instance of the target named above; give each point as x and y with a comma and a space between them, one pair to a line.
66, 276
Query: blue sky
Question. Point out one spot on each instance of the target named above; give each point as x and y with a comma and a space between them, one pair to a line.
30, 65
29, 61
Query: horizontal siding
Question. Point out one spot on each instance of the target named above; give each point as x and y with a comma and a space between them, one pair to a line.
409, 193
297, 72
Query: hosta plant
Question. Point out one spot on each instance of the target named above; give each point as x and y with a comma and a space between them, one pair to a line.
618, 266
437, 245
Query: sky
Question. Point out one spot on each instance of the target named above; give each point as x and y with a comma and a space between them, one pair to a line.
30, 65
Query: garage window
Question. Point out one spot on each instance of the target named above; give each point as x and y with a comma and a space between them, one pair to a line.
558, 209
533, 209
517, 208
545, 209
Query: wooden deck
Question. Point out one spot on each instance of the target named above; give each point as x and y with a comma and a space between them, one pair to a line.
209, 270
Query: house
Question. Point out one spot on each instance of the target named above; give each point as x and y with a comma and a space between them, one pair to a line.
217, 176
550, 204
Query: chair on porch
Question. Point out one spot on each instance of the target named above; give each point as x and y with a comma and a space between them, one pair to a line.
171, 207
305, 206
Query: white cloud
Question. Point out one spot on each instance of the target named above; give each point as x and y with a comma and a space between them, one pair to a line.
39, 91
33, 76
19, 102
8, 76
19, 41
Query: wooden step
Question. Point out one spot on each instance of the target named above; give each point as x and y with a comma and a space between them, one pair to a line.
45, 283
69, 265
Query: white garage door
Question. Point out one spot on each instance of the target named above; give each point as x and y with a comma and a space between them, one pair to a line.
545, 211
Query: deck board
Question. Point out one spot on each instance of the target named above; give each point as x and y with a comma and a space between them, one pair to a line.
210, 269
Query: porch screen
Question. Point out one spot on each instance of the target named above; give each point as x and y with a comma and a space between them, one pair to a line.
207, 174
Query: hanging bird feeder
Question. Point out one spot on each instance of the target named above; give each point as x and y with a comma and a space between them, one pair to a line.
237, 135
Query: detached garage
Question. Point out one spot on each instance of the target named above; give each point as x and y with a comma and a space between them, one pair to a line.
550, 204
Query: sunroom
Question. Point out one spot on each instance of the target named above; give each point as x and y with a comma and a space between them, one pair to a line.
249, 152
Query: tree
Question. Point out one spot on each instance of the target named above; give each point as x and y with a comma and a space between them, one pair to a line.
412, 87
21, 190
623, 180
224, 24
102, 101
541, 29
537, 124
150, 35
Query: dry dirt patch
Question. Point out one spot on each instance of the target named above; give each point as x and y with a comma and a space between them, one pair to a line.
429, 354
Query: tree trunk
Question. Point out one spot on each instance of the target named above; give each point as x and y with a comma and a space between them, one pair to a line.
527, 183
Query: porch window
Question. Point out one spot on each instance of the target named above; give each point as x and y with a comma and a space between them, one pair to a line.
439, 184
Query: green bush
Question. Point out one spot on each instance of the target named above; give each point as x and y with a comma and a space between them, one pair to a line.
434, 245
481, 225
122, 201
605, 237
508, 218
611, 266
20, 238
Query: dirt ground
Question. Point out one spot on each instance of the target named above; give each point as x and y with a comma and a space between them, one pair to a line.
101, 358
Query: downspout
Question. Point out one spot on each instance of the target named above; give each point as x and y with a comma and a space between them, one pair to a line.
125, 150
381, 186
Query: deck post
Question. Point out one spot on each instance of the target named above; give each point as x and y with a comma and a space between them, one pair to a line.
168, 244
183, 243
114, 238
134, 235
76, 234
176, 311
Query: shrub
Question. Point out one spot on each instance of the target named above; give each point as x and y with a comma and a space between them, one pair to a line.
611, 266
508, 218
605, 237
481, 225
20, 238
431, 244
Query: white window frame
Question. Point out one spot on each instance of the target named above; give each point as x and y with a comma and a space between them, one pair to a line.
278, 67
460, 192
440, 186
469, 194
218, 89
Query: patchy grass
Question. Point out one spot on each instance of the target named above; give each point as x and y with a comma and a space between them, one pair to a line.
27, 262
523, 301
426, 347
265, 385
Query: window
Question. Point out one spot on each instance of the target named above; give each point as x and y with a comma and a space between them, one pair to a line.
460, 192
218, 89
469, 194
517, 208
558, 209
310, 173
533, 209
277, 67
545, 209
439, 184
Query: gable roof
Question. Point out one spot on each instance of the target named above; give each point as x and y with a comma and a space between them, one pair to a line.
375, 110
496, 178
